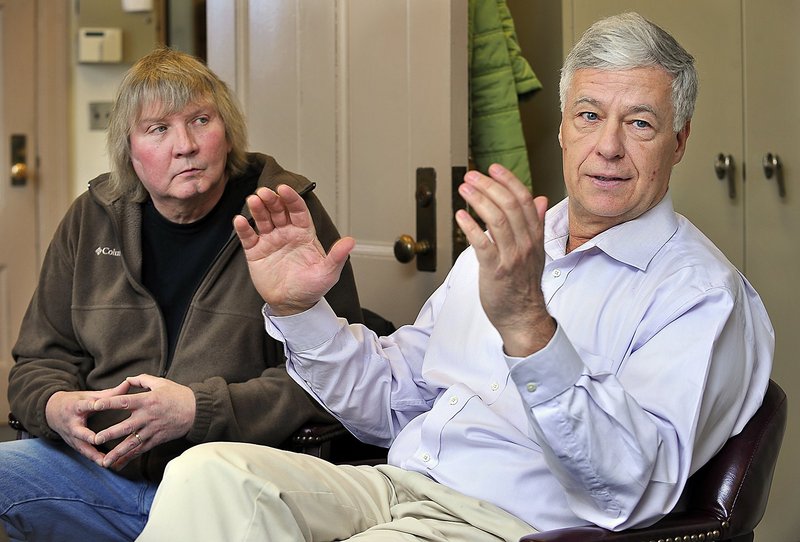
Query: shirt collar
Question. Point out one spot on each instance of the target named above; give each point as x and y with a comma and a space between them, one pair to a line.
633, 243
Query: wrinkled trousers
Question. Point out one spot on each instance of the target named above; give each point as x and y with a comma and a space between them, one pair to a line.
240, 492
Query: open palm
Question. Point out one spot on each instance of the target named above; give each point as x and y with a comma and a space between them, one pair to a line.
287, 263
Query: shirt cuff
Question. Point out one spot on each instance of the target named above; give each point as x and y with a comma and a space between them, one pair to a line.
306, 330
547, 373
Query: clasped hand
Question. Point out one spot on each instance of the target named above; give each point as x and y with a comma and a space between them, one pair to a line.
164, 412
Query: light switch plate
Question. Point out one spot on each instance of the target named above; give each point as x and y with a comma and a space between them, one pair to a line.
99, 114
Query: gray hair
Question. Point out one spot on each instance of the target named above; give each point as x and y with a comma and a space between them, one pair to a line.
628, 41
173, 80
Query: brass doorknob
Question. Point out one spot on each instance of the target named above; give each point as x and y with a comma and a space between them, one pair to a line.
405, 248
19, 172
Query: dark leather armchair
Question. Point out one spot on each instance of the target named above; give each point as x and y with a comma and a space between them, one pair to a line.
725, 499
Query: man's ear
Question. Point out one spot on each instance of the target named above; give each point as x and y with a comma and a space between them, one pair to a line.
681, 136
560, 143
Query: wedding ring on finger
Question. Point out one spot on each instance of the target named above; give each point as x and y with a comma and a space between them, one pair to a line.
138, 438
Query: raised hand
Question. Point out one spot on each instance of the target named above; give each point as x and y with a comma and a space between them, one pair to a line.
287, 263
165, 412
67, 412
511, 259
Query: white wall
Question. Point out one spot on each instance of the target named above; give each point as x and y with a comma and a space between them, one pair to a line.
98, 82
91, 83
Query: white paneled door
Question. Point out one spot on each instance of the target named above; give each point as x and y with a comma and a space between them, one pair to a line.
364, 98
18, 209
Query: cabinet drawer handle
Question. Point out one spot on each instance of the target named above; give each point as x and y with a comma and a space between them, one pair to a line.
723, 167
773, 167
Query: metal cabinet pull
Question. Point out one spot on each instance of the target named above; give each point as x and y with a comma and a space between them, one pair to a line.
773, 167
723, 167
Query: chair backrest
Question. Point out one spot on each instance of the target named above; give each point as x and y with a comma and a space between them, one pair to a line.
734, 485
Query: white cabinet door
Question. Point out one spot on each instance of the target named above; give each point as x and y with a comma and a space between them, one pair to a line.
357, 95
772, 241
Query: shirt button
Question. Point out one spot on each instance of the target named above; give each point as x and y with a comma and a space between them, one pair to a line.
453, 400
531, 386
426, 457
495, 386
556, 273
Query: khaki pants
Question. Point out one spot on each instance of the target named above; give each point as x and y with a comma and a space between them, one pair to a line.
238, 492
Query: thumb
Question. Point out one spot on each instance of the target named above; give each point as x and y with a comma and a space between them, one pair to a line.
541, 206
339, 253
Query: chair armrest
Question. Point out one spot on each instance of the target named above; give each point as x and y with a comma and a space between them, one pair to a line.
14, 423
317, 434
317, 439
336, 444
675, 526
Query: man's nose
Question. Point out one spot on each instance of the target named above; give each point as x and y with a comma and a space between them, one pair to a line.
611, 141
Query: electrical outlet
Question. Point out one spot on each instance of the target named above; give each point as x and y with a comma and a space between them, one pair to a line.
99, 113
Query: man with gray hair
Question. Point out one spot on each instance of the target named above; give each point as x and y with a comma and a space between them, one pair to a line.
576, 367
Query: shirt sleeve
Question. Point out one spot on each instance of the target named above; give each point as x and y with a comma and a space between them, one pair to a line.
623, 443
346, 366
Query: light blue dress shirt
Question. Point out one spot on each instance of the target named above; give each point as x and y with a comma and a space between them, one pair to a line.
662, 351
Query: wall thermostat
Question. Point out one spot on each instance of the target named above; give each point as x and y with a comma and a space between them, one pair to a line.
100, 45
